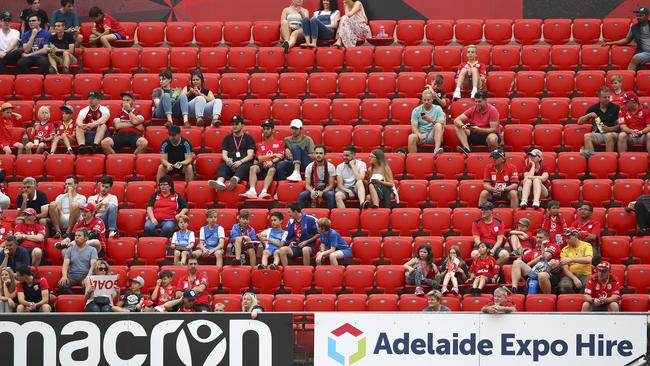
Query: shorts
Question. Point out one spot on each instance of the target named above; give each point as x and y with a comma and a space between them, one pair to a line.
501, 197
118, 36
90, 135
207, 250
600, 308
427, 140
346, 252
271, 249
637, 140
121, 140
643, 57
264, 171
64, 221
347, 195
59, 59
600, 137
476, 139
176, 171
297, 251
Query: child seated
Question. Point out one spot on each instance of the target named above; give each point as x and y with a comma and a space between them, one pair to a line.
182, 241
211, 239
273, 238
132, 299
241, 236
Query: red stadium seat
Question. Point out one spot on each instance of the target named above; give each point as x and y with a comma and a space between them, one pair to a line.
566, 191
376, 30
594, 57
518, 137
388, 58
527, 31
474, 303
374, 222
59, 166
345, 111
626, 190
462, 219
151, 34
541, 303
234, 85
113, 85
401, 110
208, 34
633, 164
443, 193
199, 194
256, 110
500, 83
397, 250
598, 192
235, 279
322, 85
288, 191
242, 59
179, 34
620, 222
96, 60
498, 31
565, 57
571, 165
396, 136
554, 110
418, 58
293, 85
270, 59
336, 138
449, 165
297, 279
642, 82
317, 302
389, 279
588, 82
380, 302
266, 281
419, 165
410, 84
410, 32
328, 279
29, 86
638, 278
7, 86
439, 32
615, 249
524, 110
146, 166
447, 58
266, 33
345, 220
213, 59
237, 34
359, 59
58, 86
152, 250
557, 31
413, 303
560, 83
476, 163
85, 83
535, 57
120, 166
436, 221
570, 302
69, 303
301, 59
121, 251
603, 165
90, 167
184, 59
231, 302
359, 278
148, 272
615, 28
144, 84
586, 31
382, 84
469, 31
351, 302
285, 110
621, 56
506, 58
547, 137
468, 192
367, 249
367, 137
51, 189
637, 303
352, 84
329, 59
640, 249
131, 221
530, 83
29, 165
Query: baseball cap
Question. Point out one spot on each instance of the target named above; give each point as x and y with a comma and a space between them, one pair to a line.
139, 280
571, 231
268, 123
524, 221
236, 119
497, 154
628, 97
535, 152
65, 108
6, 16
29, 212
486, 206
126, 94
94, 94
88, 207
603, 266
174, 130
295, 123
189, 294
642, 10
6, 105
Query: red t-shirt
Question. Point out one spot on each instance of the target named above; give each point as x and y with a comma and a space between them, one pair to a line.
10, 122
200, 279
555, 250
501, 178
555, 227
111, 23
33, 229
530, 255
95, 224
69, 130
616, 98
165, 207
596, 289
482, 69
165, 294
543, 168
482, 119
183, 310
635, 121
590, 227
33, 292
269, 147
484, 266
506, 303
124, 117
488, 232
6, 138
41, 131
6, 229
528, 243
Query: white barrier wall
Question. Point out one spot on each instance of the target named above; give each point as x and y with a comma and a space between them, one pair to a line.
455, 339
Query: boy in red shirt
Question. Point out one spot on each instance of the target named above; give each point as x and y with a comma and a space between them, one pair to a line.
522, 238
164, 290
616, 81
471, 73
634, 122
65, 130
9, 117
602, 290
555, 224
9, 120
484, 269
106, 28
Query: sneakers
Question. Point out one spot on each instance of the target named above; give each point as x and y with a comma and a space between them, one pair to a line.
242, 260
249, 194
456, 94
232, 183
261, 266
419, 291
215, 184
264, 195
523, 204
294, 177
455, 290
273, 267
536, 204
60, 245
463, 150
474, 91
438, 151
587, 153
113, 234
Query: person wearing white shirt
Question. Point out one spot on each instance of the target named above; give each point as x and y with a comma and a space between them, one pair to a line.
65, 210
349, 178
9, 40
106, 204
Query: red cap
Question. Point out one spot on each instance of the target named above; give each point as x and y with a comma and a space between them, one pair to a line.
603, 266
628, 97
88, 207
29, 212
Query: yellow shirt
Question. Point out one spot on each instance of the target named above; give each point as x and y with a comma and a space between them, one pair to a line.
582, 250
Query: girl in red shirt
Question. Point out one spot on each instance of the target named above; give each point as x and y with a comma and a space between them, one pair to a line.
484, 269
41, 133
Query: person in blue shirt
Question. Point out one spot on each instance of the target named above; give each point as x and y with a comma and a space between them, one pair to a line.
301, 236
332, 245
13, 255
70, 20
212, 239
35, 47
241, 236
273, 237
182, 241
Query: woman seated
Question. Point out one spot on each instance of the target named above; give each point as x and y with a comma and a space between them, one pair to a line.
199, 102
97, 301
291, 24
322, 25
249, 305
353, 26
381, 186
536, 178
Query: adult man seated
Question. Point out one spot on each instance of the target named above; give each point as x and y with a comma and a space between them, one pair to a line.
490, 230
427, 123
175, 156
588, 227
31, 236
79, 259
536, 264
91, 124
479, 125
32, 198
9, 41
196, 281
298, 153
604, 117
350, 174
320, 180
70, 20
13, 255
95, 228
128, 129
575, 259
634, 121
639, 34
238, 152
64, 211
302, 233
500, 181
106, 205
33, 292
35, 42
269, 153
602, 291
61, 51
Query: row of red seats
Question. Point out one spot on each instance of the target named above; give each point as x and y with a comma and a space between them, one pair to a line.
387, 302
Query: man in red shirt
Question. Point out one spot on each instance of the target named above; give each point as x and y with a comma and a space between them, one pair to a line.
31, 236
500, 181
269, 152
95, 227
587, 226
530, 261
634, 121
500, 304
490, 231
197, 282
106, 28
479, 125
128, 129
602, 290
91, 124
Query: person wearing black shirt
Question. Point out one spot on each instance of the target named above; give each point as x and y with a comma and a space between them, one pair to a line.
61, 50
31, 198
13, 255
175, 156
34, 8
604, 117
238, 151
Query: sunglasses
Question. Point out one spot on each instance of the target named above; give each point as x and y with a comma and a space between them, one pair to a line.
102, 269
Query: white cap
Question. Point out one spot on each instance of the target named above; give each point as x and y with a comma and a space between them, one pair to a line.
296, 123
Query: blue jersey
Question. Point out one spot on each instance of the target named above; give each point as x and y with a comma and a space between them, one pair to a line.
275, 234
211, 237
183, 239
236, 232
307, 229
333, 240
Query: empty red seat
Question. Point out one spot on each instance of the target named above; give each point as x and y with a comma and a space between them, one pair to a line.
447, 58
345, 220
121, 251
586, 31
367, 249
418, 58
560, 83
345, 111
359, 59
554, 110
266, 33
301, 59
535, 57
351, 302
615, 249
498, 31
437, 221
120, 166
557, 31
638, 278
401, 110
151, 250
410, 84
352, 84
598, 192
419, 165
213, 59
184, 59
524, 111
615, 28
125, 60
566, 191
540, 303
440, 32
565, 57
388, 58
474, 303
518, 137
329, 59
626, 190
208, 34
58, 86
410, 32
322, 84
547, 137
316, 111
603, 164
530, 83
462, 219
179, 34
69, 303
621, 56
29, 86
571, 165
29, 165
242, 59
527, 31
234, 85
59, 166
500, 83
638, 303
236, 279
588, 82
374, 222
620, 222
389, 279
256, 110
594, 57
96, 60
382, 84
293, 85
506, 57
633, 164
285, 110
144, 84
151, 34
6, 86
328, 279
396, 136
469, 191
468, 31
237, 34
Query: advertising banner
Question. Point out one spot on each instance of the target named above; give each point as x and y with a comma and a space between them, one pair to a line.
372, 339
210, 339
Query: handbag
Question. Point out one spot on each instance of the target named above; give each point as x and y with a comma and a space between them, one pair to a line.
102, 301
